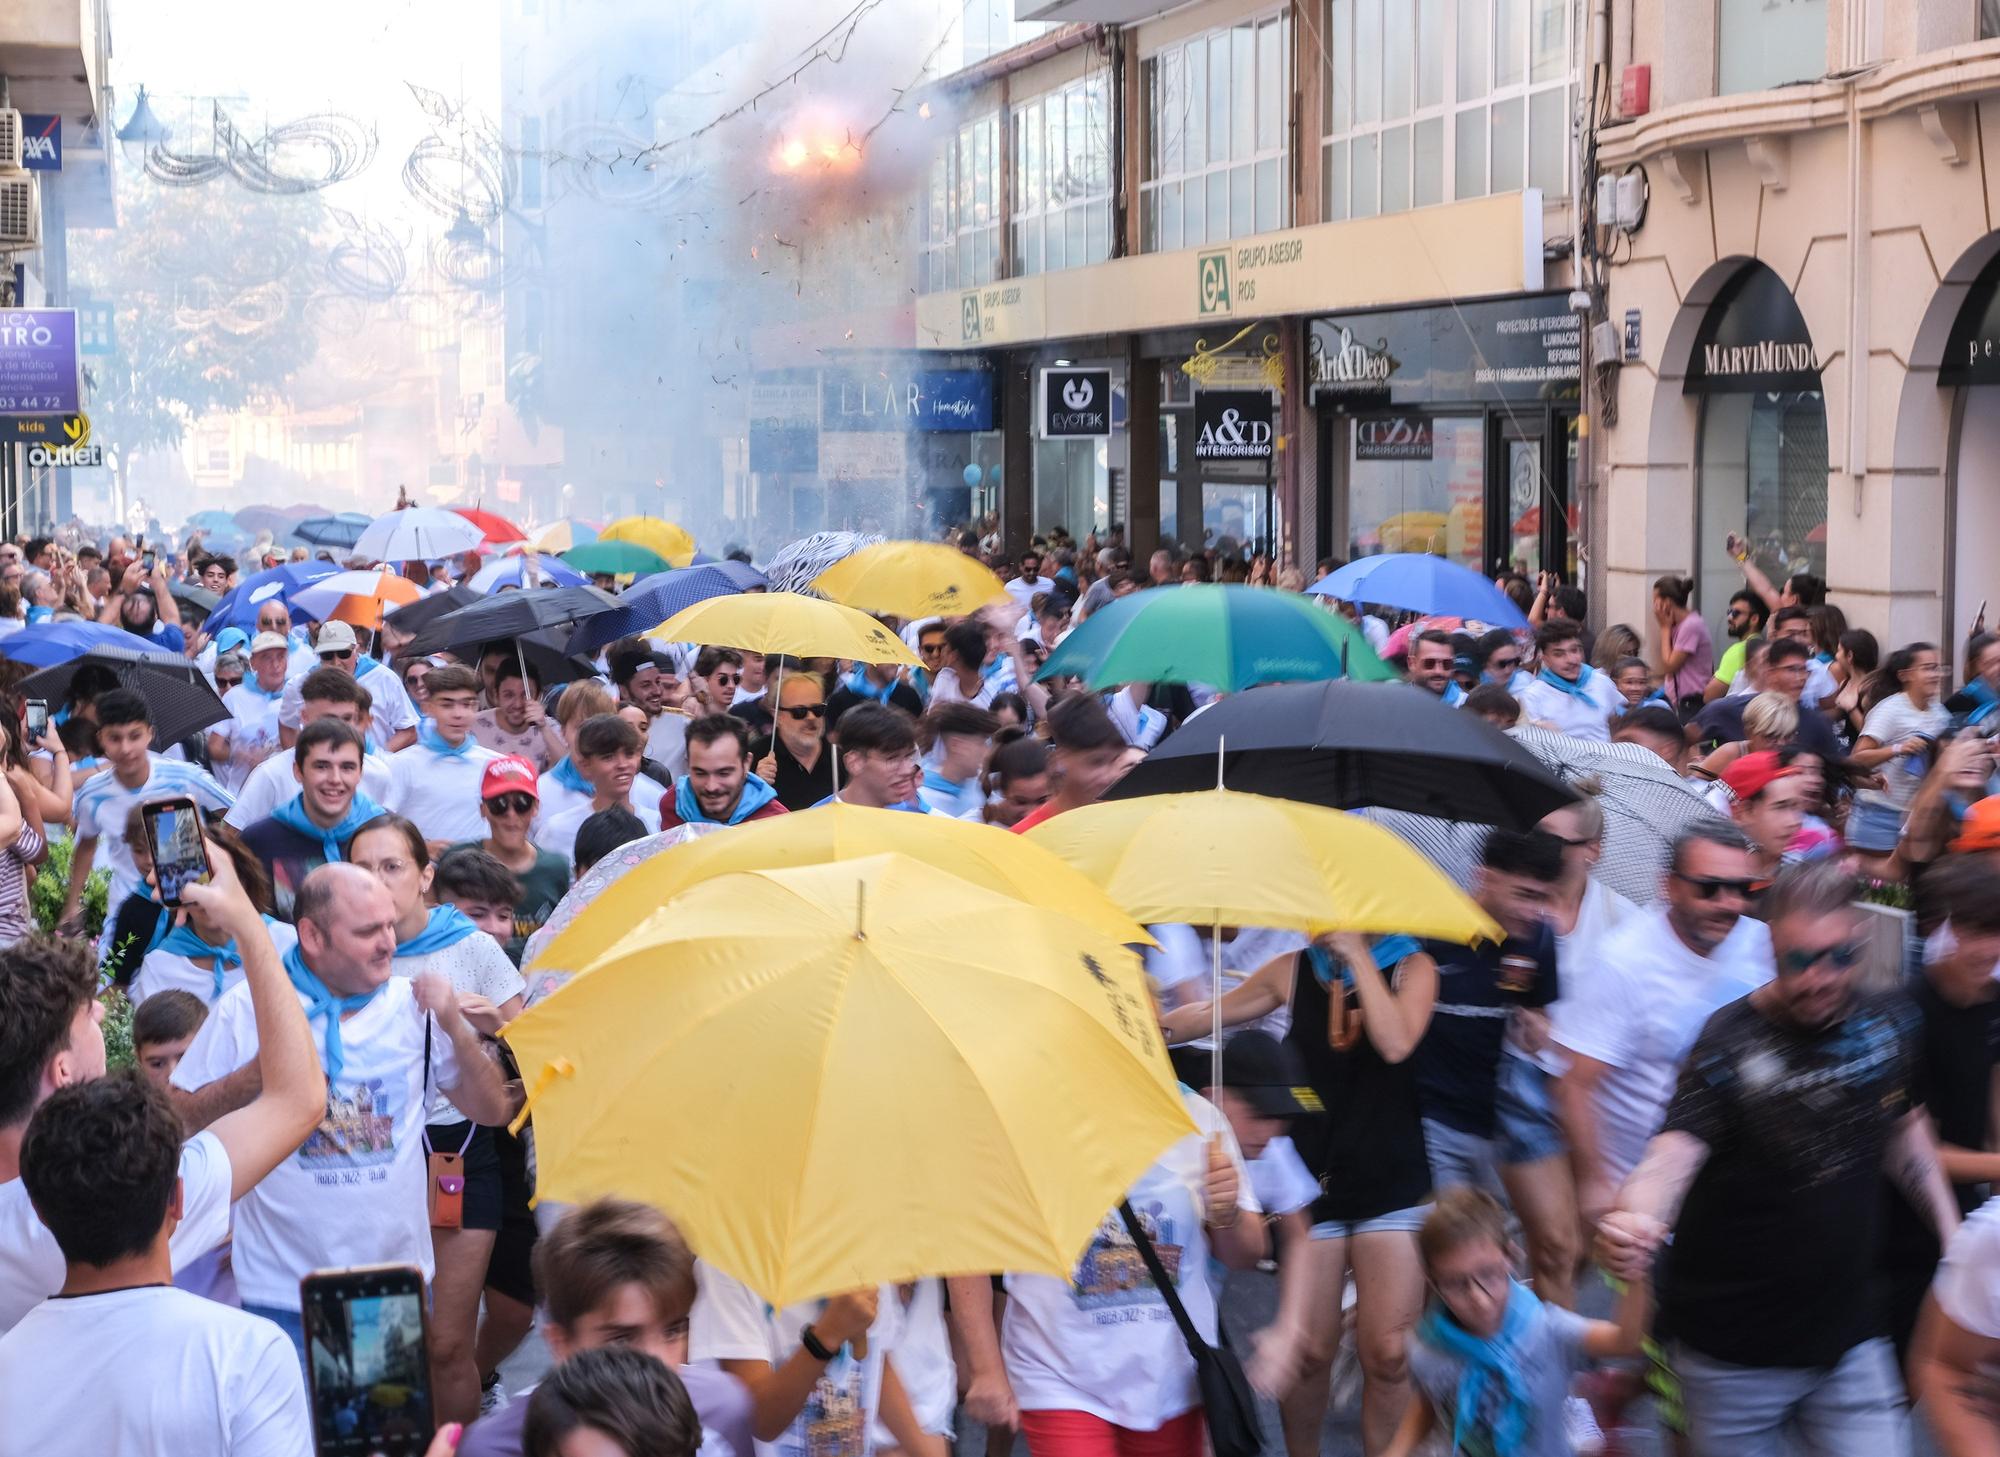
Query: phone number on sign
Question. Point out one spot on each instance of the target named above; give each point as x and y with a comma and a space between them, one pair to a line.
33, 404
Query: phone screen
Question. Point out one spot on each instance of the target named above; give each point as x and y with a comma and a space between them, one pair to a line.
146, 563
36, 718
367, 1361
180, 854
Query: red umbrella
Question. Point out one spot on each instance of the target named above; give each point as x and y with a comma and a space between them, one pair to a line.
498, 529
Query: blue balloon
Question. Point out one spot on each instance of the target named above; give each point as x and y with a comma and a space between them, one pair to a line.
972, 474
993, 474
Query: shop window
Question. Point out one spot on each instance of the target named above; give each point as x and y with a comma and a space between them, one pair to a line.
1401, 499
1763, 476
1429, 101
1061, 203
961, 212
1766, 43
1989, 19
1216, 134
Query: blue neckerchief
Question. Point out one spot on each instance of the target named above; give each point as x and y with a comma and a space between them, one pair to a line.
364, 664
260, 690
1579, 689
1453, 694
447, 926
1494, 1407
1981, 693
862, 686
937, 781
1387, 952
1826, 658
292, 815
430, 738
756, 794
185, 941
322, 1003
565, 773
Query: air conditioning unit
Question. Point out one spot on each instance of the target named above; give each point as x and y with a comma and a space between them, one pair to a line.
10, 140
20, 211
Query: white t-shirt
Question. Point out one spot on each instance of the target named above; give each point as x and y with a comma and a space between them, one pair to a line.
558, 835
1581, 952
32, 1268
1280, 1179
439, 793
389, 708
102, 806
353, 1194
1183, 968
1967, 1285
557, 798
273, 783
1640, 1010
1819, 684
730, 1322
920, 1355
1103, 1341
1891, 721
164, 970
1588, 717
252, 732
666, 741
1023, 590
477, 965
184, 1375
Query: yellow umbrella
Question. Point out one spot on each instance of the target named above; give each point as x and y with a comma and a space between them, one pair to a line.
670, 541
994, 859
1220, 858
842, 1075
911, 579
562, 536
787, 622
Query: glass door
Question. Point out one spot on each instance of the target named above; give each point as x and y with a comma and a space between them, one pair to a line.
1529, 486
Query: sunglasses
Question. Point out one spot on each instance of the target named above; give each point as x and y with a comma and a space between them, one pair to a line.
342, 653
1843, 955
1707, 888
803, 711
1503, 665
722, 678
512, 804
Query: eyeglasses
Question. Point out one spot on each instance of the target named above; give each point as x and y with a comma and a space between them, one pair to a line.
1843, 955
1708, 888
1493, 1280
390, 868
512, 804
723, 679
804, 711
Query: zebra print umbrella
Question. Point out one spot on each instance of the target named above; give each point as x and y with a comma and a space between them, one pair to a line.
795, 566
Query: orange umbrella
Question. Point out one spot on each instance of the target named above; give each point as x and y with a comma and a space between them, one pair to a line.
358, 598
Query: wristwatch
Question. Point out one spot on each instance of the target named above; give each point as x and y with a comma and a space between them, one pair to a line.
813, 1345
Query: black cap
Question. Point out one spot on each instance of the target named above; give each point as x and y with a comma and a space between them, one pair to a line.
1268, 1075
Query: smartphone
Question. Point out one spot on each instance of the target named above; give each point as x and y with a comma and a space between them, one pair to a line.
180, 852
1979, 617
147, 562
368, 1361
36, 719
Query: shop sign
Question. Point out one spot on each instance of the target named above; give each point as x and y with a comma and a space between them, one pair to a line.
40, 373
863, 455
1972, 354
906, 399
1232, 425
1393, 437
1753, 340
1528, 347
41, 142
1076, 404
784, 427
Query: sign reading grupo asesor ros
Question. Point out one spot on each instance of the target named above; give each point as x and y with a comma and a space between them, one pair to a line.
1232, 425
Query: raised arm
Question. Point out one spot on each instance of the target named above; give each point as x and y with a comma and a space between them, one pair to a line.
1264, 991
1396, 1016
481, 1092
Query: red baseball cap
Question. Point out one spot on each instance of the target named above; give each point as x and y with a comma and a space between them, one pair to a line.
509, 775
1747, 778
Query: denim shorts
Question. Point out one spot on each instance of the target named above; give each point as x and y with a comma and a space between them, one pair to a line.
1874, 827
1460, 1159
1527, 1128
1400, 1221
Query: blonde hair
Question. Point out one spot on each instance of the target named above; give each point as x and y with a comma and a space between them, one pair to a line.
1291, 579
583, 699
1770, 716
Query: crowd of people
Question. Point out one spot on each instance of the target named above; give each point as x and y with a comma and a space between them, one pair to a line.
1695, 1159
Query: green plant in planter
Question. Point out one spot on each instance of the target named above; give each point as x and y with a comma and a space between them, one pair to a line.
51, 884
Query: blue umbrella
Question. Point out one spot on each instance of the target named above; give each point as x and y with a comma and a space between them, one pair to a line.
339, 532
1418, 582
45, 645
238, 607
650, 601
513, 572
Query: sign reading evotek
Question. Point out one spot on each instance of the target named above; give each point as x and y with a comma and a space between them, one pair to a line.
39, 370
1232, 425
1076, 403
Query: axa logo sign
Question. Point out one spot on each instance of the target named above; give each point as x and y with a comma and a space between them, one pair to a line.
1076, 403
1213, 269
968, 319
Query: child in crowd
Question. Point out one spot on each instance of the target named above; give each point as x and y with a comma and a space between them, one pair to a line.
612, 1402
162, 1027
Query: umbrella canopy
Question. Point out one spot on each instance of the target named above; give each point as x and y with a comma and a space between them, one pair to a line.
563, 535
420, 614
193, 596
498, 529
1228, 637
206, 521
510, 614
46, 644
785, 622
910, 579
525, 572
672, 542
1419, 582
583, 893
547, 653
615, 558
891, 1104
1346, 745
1646, 805
177, 692
797, 565
274, 519
417, 534
359, 598
339, 533
1004, 863
652, 600
238, 607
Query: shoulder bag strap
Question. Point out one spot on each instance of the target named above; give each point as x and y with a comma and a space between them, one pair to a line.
1168, 1292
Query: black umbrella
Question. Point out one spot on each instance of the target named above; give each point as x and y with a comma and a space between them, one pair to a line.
1348, 744
414, 617
508, 615
194, 596
547, 653
181, 699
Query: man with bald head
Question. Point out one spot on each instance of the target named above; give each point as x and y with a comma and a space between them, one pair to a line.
355, 1192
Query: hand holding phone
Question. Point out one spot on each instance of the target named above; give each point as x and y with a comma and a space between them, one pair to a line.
367, 1361
35, 719
180, 850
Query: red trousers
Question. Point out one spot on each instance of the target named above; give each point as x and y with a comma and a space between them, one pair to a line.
1079, 1434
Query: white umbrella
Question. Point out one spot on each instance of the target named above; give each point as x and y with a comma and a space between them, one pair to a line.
418, 534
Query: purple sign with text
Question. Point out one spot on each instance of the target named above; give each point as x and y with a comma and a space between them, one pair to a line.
39, 371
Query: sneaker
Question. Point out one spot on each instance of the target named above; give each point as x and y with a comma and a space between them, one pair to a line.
492, 1396
1585, 1438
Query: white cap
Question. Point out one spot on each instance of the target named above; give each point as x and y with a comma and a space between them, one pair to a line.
264, 641
334, 637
